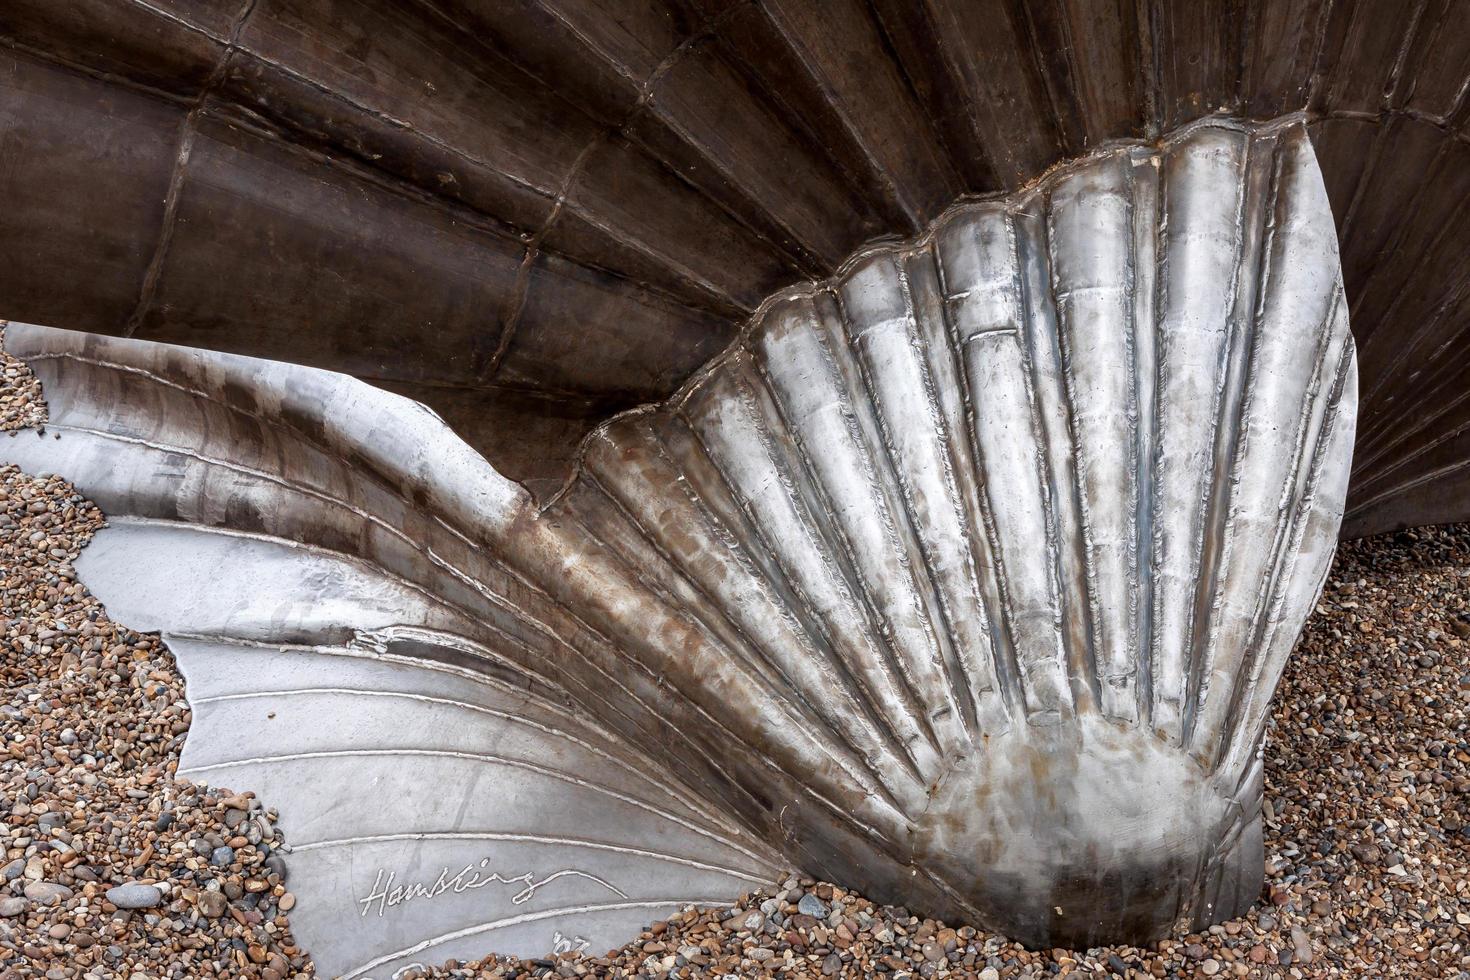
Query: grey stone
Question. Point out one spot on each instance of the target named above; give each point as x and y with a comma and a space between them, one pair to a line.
813, 906
47, 892
11, 906
134, 895
1302, 945
222, 856
276, 864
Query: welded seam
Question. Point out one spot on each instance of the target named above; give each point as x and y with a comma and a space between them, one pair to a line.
188, 131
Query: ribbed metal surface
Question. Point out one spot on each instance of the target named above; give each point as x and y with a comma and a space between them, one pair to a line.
531, 213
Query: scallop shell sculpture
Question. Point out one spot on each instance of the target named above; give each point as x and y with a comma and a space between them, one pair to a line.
963, 578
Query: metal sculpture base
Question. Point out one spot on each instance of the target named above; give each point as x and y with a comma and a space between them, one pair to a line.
1081, 834
963, 579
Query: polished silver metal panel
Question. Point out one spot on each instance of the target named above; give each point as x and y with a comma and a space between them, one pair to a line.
963, 578
309, 548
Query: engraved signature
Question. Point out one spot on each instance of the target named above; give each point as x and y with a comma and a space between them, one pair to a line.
387, 894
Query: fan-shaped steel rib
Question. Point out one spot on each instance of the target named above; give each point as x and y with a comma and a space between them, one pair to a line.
1055, 484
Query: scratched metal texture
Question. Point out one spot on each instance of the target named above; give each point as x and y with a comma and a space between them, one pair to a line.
963, 577
531, 214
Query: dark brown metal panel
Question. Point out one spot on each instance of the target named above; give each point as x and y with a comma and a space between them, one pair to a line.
631, 213
1422, 409
987, 46
909, 32
1437, 64
583, 331
342, 273
1407, 213
540, 39
1093, 56
301, 112
218, 18
636, 35
413, 98
1431, 390
171, 46
1430, 487
536, 434
712, 122
618, 183
841, 48
1197, 52
1372, 221
1364, 57
1351, 142
1281, 40
1395, 302
80, 216
416, 98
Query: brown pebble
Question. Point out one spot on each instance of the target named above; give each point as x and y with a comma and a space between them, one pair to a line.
212, 904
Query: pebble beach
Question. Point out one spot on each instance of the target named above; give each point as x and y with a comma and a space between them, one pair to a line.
112, 867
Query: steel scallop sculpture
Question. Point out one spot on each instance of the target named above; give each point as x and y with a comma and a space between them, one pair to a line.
963, 577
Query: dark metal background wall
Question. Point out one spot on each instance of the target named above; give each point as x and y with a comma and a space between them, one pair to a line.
530, 214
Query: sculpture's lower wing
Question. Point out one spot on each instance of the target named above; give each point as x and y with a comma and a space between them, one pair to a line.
358, 661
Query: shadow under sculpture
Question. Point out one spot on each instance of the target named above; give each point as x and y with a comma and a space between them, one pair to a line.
963, 579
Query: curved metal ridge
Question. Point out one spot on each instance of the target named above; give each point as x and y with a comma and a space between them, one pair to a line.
534, 214
963, 577
1041, 184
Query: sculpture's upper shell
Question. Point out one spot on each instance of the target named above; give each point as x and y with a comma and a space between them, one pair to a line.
532, 213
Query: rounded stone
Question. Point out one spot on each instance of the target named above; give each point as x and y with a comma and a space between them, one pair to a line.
47, 892
212, 904
135, 895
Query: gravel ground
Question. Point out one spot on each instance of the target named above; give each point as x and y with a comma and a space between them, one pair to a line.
111, 866
20, 393
1368, 771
